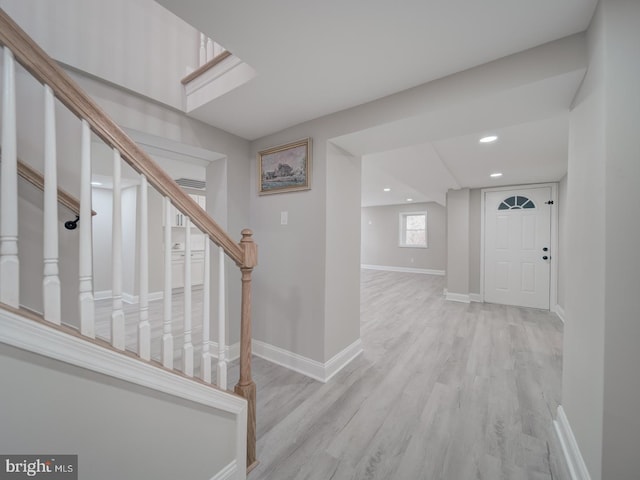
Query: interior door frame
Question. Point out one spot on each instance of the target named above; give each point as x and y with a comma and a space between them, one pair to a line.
553, 280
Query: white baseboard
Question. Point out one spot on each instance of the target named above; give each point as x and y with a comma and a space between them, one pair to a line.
423, 271
102, 295
570, 449
127, 297
458, 297
231, 352
342, 359
227, 472
322, 372
560, 313
475, 297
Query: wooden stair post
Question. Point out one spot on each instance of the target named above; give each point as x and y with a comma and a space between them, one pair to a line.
246, 386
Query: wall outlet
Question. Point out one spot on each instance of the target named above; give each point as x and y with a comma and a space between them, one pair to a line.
284, 218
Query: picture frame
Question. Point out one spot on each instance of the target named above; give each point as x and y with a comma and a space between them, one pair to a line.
285, 168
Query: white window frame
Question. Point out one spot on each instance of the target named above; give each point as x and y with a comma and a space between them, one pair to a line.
402, 230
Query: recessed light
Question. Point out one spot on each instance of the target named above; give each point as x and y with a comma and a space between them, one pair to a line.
409, 199
496, 175
96, 184
488, 139
386, 189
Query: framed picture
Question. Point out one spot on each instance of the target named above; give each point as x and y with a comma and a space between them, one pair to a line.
286, 168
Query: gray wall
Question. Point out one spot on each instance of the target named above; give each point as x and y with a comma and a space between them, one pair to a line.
475, 239
30, 253
458, 241
380, 237
118, 430
562, 240
342, 275
601, 386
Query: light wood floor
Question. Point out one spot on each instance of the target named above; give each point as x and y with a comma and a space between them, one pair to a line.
443, 391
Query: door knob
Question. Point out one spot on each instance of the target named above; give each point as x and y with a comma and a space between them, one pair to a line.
545, 249
545, 257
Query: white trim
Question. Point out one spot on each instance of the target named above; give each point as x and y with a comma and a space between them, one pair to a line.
227, 472
43, 340
424, 271
231, 352
227, 75
555, 249
342, 359
560, 313
572, 455
458, 297
127, 297
475, 297
322, 372
102, 295
402, 231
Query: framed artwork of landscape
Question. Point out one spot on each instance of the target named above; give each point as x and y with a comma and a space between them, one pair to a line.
285, 168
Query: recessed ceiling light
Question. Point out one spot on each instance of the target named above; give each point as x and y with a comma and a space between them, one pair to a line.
409, 199
488, 139
496, 175
386, 189
96, 184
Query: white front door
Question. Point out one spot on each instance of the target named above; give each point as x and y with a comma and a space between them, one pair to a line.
517, 250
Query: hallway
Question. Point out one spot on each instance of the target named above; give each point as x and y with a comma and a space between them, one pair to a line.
443, 391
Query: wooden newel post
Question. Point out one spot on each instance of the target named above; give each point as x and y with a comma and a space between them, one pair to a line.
246, 387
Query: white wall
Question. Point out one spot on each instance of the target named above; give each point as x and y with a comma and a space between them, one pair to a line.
136, 44
113, 426
601, 386
621, 420
562, 240
380, 237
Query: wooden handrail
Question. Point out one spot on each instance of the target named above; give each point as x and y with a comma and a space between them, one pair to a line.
207, 66
35, 178
47, 71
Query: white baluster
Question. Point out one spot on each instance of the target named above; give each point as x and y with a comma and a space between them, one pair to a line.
206, 317
9, 263
117, 314
187, 349
210, 53
222, 362
167, 335
144, 329
51, 280
202, 54
85, 296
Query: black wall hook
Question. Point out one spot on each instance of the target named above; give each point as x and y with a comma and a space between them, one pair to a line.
72, 224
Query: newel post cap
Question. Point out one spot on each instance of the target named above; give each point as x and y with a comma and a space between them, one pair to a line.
249, 248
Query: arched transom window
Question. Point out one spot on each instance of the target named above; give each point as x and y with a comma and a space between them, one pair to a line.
516, 202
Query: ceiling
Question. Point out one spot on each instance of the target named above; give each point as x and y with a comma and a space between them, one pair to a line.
316, 58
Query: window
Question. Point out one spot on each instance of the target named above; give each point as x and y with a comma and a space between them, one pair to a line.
413, 229
515, 203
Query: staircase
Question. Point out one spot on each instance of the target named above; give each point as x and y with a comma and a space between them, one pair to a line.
73, 340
